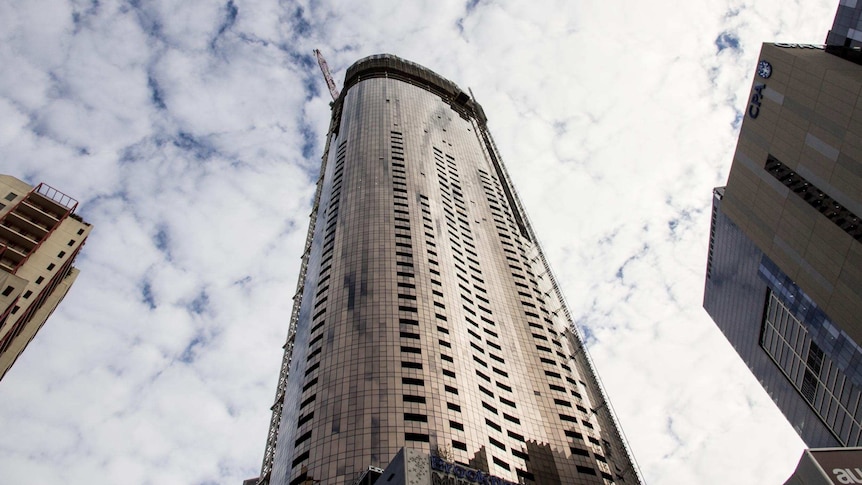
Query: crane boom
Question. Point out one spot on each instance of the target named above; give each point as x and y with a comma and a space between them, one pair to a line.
326, 74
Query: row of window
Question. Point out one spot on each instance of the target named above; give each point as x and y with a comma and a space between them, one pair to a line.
464, 227
816, 198
829, 392
507, 228
321, 296
24, 318
470, 282
471, 293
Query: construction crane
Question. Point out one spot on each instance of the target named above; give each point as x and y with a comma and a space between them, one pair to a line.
326, 75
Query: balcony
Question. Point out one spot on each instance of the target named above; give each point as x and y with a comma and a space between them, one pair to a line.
17, 237
38, 213
11, 255
35, 229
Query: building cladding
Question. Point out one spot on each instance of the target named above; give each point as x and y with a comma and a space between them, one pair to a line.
426, 315
784, 272
40, 236
847, 28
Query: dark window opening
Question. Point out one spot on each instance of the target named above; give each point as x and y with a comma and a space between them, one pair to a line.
816, 198
299, 459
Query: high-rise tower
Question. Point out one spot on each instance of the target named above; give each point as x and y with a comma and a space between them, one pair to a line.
426, 315
784, 272
40, 235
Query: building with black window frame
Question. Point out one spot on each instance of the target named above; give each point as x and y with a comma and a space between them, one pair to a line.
426, 315
784, 271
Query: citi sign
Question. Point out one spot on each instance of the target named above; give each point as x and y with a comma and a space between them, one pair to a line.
452, 474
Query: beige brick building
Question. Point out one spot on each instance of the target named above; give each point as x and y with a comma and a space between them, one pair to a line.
40, 235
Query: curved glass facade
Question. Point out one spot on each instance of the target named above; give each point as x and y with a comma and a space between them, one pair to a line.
426, 314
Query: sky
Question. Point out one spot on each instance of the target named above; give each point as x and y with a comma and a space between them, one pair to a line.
191, 133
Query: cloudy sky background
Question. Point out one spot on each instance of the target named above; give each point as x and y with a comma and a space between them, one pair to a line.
191, 133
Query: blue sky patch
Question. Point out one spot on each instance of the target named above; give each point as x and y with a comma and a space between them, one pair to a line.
147, 295
156, 93
727, 40
197, 147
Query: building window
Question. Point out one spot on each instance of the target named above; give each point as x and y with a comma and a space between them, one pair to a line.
8, 291
511, 418
304, 419
824, 385
11, 196
27, 294
305, 437
299, 459
578, 451
816, 198
61, 254
40, 279
51, 266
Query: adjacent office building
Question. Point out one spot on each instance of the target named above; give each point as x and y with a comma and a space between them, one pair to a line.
426, 316
40, 236
784, 272
846, 30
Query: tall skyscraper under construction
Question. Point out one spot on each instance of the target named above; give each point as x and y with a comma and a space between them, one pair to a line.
426, 316
40, 236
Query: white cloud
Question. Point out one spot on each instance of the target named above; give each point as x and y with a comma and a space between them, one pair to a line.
192, 137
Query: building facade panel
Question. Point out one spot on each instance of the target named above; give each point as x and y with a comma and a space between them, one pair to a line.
818, 273
847, 27
735, 297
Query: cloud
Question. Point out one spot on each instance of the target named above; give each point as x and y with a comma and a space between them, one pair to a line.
192, 132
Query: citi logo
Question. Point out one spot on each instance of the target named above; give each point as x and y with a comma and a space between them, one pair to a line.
847, 475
